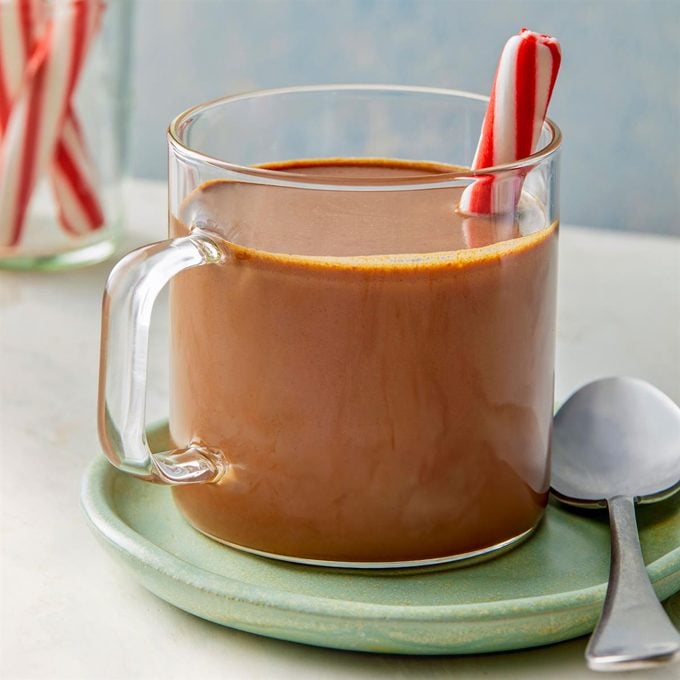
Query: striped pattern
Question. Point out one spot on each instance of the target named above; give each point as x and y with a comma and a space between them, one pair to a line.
73, 175
519, 100
41, 60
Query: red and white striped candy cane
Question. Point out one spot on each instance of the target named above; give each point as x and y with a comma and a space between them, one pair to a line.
522, 88
40, 62
18, 33
73, 171
73, 177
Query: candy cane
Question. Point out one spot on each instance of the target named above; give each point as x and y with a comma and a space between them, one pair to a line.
72, 169
18, 144
522, 88
16, 45
79, 207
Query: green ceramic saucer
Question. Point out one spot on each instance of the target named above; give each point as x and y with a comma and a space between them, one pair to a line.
548, 589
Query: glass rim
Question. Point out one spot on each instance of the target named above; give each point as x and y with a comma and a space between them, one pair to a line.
177, 125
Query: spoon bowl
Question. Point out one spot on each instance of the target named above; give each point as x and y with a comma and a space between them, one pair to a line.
616, 442
616, 437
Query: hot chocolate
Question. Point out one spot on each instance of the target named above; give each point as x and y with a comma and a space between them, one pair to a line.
382, 392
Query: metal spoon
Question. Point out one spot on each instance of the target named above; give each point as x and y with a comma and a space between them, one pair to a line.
617, 442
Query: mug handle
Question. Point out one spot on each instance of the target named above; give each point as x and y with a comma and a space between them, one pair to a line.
131, 290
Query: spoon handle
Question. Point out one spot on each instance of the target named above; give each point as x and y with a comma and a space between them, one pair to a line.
634, 630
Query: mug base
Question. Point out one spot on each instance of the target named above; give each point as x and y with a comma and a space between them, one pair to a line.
461, 559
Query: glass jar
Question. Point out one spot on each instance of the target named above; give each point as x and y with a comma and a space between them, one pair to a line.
63, 109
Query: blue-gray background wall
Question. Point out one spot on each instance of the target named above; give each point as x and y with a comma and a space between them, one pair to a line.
617, 98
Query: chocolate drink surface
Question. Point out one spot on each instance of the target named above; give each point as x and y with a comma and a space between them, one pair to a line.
382, 392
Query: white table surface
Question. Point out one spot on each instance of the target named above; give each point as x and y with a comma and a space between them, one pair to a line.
67, 611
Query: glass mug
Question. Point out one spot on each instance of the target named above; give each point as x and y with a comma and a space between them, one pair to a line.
360, 376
